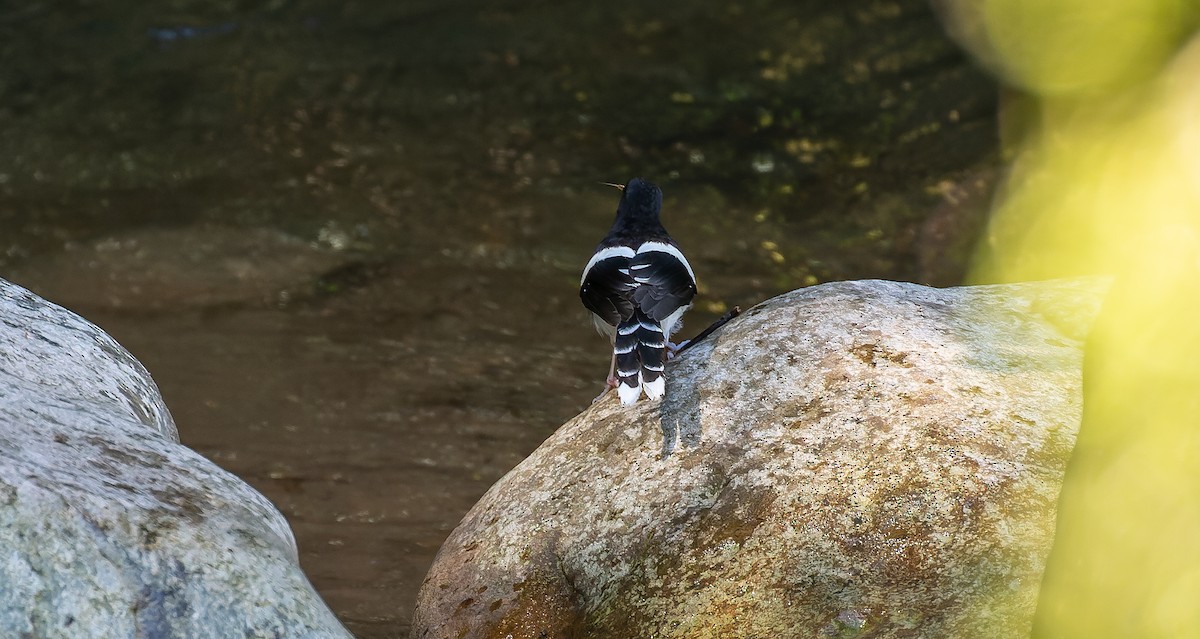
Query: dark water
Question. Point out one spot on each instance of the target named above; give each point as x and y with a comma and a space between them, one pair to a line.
345, 237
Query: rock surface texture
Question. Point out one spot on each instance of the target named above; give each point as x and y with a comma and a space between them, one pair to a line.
859, 459
110, 528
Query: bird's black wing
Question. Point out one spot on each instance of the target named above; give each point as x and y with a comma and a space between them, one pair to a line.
665, 283
607, 289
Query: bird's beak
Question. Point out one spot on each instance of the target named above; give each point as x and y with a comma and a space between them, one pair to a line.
619, 187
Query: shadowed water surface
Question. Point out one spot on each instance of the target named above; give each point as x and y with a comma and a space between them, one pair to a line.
345, 237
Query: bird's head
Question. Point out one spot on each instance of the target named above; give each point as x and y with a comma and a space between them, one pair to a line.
640, 199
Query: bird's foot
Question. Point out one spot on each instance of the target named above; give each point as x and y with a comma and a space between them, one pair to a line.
609, 384
672, 348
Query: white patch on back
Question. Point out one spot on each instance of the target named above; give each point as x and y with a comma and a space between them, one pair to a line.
663, 247
604, 254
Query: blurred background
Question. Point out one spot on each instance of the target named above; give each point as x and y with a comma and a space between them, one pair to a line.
345, 237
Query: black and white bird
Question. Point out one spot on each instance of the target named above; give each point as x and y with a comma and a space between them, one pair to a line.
638, 285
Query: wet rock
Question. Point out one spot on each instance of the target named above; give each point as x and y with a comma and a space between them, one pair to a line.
108, 526
855, 459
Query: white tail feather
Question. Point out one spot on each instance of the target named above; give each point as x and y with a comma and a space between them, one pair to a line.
655, 389
629, 394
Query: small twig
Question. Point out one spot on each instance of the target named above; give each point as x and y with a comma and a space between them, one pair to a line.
737, 310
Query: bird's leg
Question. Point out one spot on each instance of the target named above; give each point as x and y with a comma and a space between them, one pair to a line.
611, 382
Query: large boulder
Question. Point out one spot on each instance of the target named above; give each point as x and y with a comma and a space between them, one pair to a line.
110, 528
869, 459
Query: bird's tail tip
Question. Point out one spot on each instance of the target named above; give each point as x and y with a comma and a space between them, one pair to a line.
655, 389
628, 394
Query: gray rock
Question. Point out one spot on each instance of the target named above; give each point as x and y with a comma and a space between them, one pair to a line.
855, 459
110, 528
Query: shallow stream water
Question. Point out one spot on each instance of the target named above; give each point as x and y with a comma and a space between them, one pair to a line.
345, 237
